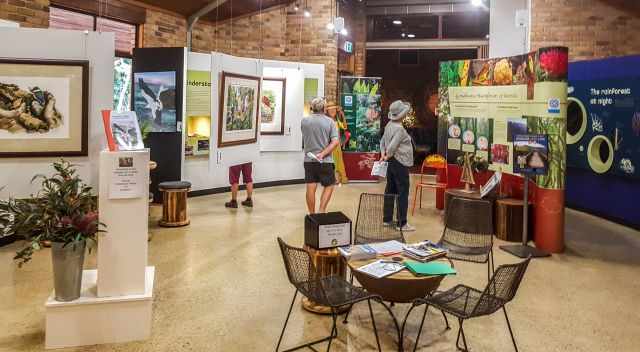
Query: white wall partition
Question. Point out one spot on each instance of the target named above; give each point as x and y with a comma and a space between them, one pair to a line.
275, 158
98, 48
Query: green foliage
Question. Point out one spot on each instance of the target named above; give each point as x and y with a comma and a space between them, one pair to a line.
64, 211
449, 74
556, 129
146, 127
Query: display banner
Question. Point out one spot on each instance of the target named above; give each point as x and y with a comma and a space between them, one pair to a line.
198, 112
485, 103
360, 101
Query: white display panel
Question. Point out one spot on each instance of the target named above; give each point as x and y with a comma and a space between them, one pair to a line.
96, 47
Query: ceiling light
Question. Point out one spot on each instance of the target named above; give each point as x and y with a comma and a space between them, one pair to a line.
330, 26
403, 35
476, 2
296, 7
307, 13
411, 35
397, 22
344, 32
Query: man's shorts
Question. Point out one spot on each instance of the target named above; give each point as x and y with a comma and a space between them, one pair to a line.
245, 169
323, 173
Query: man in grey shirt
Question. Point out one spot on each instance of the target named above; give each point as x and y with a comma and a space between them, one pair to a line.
320, 137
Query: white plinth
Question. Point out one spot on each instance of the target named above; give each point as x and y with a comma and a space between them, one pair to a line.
122, 250
92, 320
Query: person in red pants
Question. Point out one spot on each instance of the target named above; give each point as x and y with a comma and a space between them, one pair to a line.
234, 179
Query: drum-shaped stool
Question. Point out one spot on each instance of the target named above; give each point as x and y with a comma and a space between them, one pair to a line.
174, 203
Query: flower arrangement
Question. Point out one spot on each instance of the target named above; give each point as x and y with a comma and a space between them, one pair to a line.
435, 160
63, 211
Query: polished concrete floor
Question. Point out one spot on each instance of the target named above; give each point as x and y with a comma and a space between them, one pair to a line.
221, 286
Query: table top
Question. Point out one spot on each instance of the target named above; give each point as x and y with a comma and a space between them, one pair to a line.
401, 287
460, 192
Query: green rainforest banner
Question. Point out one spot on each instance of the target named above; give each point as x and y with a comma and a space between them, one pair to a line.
360, 101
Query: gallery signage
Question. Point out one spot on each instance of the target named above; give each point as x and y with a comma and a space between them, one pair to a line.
127, 176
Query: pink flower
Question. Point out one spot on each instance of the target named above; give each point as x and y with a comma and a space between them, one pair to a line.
555, 62
87, 223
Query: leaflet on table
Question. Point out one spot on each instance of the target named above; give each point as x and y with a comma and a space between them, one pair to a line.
424, 251
357, 252
388, 247
381, 268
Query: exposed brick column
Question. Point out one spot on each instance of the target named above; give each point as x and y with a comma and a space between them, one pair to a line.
29, 13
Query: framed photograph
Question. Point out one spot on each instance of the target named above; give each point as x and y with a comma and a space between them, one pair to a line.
154, 100
531, 154
272, 103
43, 107
238, 118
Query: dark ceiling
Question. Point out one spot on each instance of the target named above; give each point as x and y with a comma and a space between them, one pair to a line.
232, 8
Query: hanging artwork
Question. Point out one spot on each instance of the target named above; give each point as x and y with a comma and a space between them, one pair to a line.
272, 103
43, 107
155, 100
238, 118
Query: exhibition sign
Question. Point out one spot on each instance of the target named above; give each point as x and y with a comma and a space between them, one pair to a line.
485, 104
128, 178
43, 107
360, 101
198, 112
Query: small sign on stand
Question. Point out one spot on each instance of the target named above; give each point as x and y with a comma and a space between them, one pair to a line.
328, 230
530, 158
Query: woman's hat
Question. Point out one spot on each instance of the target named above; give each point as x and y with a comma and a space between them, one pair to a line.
398, 110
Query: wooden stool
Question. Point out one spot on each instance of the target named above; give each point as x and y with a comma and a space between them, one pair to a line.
327, 262
174, 203
509, 219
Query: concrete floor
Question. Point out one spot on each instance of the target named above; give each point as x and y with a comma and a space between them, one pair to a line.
221, 286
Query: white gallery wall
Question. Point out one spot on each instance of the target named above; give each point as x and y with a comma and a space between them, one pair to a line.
98, 49
275, 158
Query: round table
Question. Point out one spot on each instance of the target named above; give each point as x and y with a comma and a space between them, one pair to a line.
401, 287
327, 262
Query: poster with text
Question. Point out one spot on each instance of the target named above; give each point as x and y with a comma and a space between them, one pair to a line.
127, 177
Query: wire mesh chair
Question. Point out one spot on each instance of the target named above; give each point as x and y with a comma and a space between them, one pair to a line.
468, 231
331, 291
466, 302
370, 226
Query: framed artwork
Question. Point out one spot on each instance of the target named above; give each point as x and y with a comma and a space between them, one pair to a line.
272, 103
154, 100
43, 107
238, 118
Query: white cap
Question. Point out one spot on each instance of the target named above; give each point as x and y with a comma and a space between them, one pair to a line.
398, 110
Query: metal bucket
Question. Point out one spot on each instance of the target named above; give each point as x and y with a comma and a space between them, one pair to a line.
67, 269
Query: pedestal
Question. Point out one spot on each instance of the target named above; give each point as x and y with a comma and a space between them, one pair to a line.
116, 299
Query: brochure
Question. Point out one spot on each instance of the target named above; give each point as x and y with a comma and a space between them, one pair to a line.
381, 268
379, 168
122, 130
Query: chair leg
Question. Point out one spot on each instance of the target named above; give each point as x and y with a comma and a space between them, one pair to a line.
420, 201
415, 197
286, 320
464, 339
334, 329
493, 262
446, 320
424, 315
346, 315
373, 322
510, 331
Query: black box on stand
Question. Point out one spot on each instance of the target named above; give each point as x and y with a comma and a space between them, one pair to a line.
328, 230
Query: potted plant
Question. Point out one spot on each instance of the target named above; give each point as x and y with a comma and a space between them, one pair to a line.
63, 212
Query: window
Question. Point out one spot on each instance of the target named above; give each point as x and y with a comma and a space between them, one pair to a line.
125, 35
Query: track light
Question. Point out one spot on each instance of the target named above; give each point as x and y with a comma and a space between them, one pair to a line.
397, 22
411, 35
344, 32
307, 13
296, 7
403, 35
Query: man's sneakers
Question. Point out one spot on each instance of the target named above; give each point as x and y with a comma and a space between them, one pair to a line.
387, 224
406, 228
234, 203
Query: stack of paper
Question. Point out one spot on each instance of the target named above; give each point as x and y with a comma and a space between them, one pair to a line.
388, 247
381, 268
357, 252
424, 251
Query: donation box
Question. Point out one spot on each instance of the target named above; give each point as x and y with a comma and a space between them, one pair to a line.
327, 230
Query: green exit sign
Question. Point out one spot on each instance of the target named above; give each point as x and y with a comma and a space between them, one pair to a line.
347, 46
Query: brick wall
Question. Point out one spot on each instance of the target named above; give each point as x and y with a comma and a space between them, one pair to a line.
163, 29
278, 34
29, 13
590, 28
356, 22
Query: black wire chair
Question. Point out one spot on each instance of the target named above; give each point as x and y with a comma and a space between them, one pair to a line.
370, 227
468, 231
465, 302
331, 291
